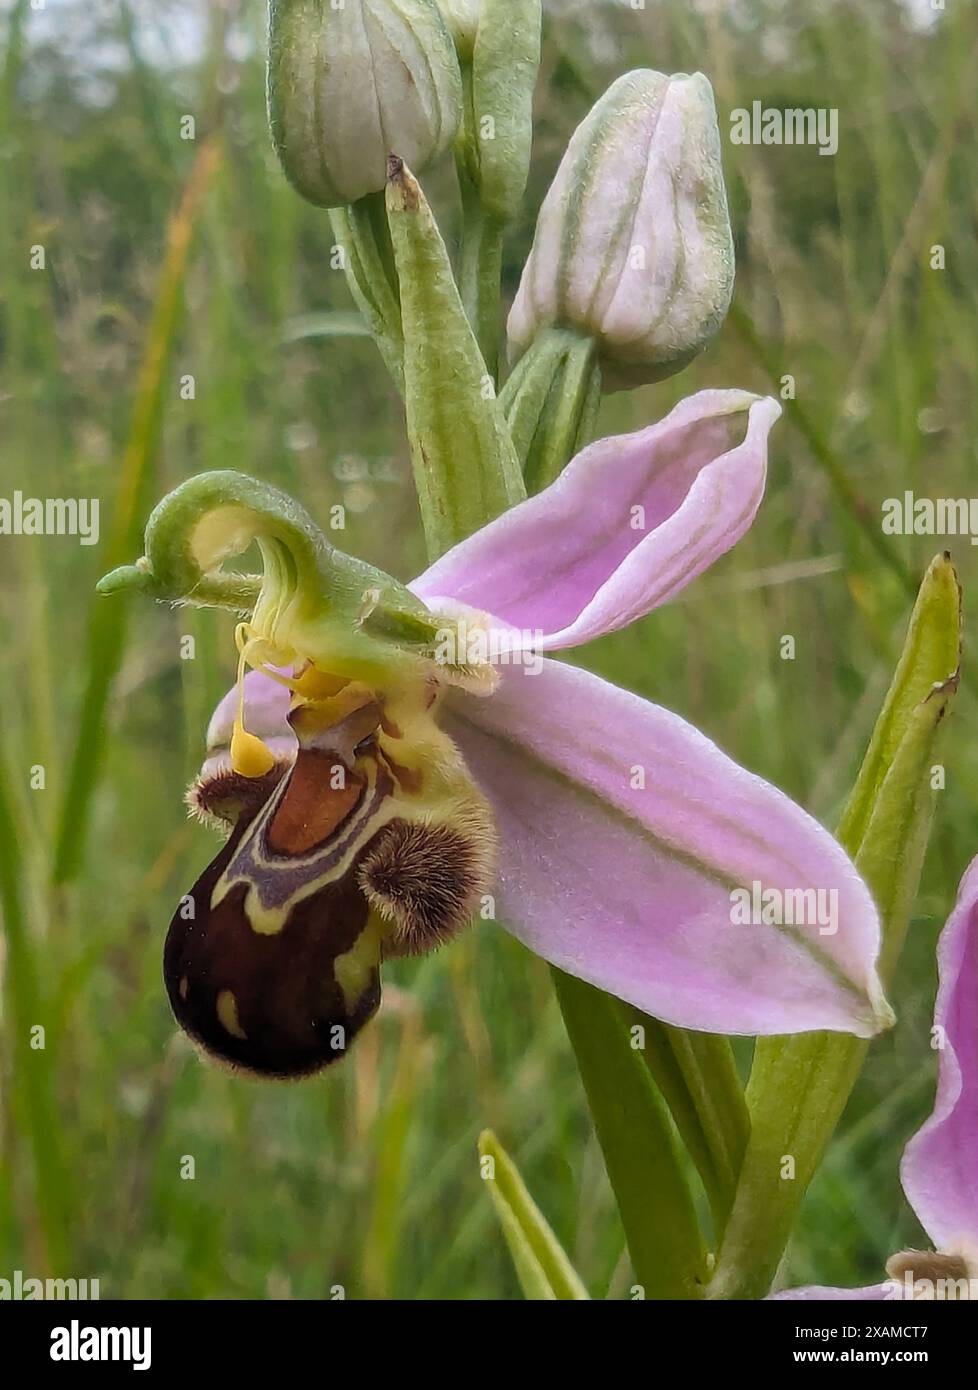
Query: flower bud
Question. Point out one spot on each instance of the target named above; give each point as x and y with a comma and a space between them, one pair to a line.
350, 84
633, 243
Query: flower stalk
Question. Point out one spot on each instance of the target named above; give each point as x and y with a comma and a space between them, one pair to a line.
644, 1162
480, 269
697, 1077
363, 236
551, 403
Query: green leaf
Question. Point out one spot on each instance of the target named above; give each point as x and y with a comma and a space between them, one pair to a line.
799, 1085
644, 1161
542, 1266
465, 466
892, 800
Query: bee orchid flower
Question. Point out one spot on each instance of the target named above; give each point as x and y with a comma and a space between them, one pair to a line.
400, 758
939, 1171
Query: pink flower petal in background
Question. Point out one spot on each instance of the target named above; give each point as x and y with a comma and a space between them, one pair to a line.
940, 1163
630, 888
627, 525
820, 1293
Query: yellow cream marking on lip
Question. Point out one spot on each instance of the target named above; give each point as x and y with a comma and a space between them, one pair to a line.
265, 922
227, 1014
354, 969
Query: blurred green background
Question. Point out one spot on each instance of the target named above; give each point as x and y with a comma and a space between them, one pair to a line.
368, 1177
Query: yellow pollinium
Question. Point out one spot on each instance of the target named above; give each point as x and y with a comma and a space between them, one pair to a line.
249, 756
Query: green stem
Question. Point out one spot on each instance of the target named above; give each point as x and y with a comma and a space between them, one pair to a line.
363, 235
551, 402
697, 1076
524, 395
568, 417
645, 1166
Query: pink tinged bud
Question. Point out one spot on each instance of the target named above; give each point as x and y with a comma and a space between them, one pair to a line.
633, 242
350, 85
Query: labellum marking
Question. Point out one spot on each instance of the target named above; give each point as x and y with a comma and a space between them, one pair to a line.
303, 820
352, 969
227, 1012
277, 882
271, 1004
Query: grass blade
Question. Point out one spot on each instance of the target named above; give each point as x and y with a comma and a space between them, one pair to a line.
542, 1266
108, 621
